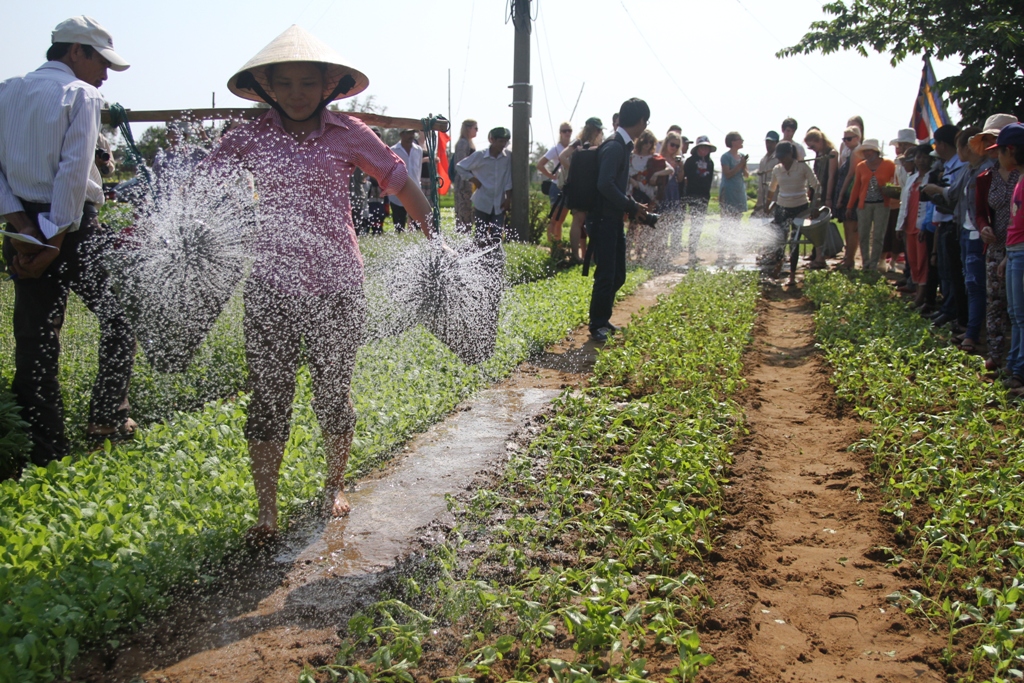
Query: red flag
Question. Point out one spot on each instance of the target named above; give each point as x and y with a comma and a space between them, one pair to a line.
442, 163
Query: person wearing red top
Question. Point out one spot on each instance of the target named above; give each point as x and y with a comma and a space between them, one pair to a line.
870, 176
306, 283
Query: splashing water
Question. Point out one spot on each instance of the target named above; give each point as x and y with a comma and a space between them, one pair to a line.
455, 292
175, 270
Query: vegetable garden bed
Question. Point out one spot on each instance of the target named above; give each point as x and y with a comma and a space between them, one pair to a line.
581, 563
947, 448
91, 546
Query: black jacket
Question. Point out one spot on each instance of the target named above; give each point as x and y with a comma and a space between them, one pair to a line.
613, 178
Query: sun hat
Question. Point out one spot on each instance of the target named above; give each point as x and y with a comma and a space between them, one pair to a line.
499, 132
594, 121
993, 125
297, 45
703, 141
870, 143
772, 135
87, 31
1012, 134
907, 135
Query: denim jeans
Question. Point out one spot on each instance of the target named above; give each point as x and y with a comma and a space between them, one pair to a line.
972, 252
1015, 307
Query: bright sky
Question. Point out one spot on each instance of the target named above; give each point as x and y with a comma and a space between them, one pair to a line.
708, 66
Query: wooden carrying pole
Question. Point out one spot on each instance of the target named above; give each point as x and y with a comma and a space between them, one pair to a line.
166, 115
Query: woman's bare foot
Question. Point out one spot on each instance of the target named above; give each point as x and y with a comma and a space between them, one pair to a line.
335, 503
261, 535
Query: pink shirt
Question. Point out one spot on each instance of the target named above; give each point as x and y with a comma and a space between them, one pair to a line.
305, 242
1015, 233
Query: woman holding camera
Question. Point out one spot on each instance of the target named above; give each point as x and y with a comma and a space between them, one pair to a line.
732, 192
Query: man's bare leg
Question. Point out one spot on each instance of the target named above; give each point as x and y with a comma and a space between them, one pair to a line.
337, 447
266, 459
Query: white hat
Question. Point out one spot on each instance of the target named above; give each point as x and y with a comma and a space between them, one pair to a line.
993, 126
703, 141
87, 31
298, 45
905, 135
870, 143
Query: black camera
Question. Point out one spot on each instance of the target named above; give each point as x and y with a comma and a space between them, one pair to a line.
650, 220
103, 155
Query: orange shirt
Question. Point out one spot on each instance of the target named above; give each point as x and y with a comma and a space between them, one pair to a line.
862, 178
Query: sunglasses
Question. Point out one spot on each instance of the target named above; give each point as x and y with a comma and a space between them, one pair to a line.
673, 144
565, 130
847, 139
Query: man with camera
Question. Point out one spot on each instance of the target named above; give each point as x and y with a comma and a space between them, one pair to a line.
605, 222
49, 126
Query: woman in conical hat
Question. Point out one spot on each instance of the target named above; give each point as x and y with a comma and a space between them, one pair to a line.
307, 277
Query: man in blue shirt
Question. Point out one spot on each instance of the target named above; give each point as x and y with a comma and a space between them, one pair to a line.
947, 232
605, 223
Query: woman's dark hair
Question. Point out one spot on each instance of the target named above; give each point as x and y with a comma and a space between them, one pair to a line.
633, 111
789, 123
924, 148
57, 51
1018, 153
730, 136
784, 149
965, 135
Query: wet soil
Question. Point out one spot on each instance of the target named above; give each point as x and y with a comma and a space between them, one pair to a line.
270, 613
800, 576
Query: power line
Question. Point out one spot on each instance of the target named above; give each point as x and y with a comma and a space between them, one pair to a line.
329, 8
551, 59
667, 72
544, 85
465, 67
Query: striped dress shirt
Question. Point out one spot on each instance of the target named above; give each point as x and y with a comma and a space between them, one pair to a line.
49, 123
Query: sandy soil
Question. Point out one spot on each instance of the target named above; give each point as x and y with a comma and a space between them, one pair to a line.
800, 578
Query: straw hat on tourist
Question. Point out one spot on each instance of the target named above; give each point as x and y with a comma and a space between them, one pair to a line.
993, 125
298, 45
871, 144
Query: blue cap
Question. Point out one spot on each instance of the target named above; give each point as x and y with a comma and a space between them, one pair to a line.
1013, 134
772, 135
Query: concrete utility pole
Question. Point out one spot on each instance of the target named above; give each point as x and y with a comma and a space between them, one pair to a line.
522, 102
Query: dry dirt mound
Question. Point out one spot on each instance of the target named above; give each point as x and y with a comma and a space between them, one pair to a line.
799, 581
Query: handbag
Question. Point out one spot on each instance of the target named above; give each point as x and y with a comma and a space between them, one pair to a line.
545, 186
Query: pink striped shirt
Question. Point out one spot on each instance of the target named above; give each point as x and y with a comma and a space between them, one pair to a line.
305, 242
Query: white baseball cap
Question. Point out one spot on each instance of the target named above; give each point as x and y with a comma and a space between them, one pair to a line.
87, 31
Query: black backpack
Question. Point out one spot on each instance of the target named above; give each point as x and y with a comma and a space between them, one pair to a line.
581, 184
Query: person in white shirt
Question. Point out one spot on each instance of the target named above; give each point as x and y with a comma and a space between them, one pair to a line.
550, 167
49, 126
788, 189
412, 154
490, 172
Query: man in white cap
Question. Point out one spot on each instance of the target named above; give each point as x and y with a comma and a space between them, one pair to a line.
49, 125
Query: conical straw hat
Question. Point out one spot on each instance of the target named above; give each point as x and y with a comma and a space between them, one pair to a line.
298, 45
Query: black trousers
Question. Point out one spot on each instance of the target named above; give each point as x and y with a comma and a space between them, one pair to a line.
932, 284
488, 228
608, 249
399, 217
39, 306
951, 272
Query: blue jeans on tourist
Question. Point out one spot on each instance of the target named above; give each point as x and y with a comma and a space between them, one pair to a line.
972, 251
554, 193
1015, 308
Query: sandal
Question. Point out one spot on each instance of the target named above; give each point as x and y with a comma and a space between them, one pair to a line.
967, 345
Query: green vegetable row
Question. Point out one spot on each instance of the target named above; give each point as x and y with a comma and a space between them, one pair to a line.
586, 543
947, 447
217, 371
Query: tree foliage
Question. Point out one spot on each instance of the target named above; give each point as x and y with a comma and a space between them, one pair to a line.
986, 36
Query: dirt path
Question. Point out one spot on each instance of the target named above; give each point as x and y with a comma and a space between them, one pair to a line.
799, 581
266, 616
